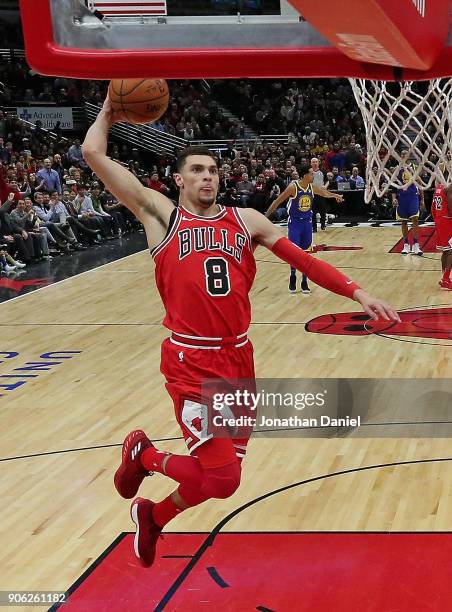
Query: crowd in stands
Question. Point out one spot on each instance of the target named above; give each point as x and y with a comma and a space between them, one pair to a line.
50, 202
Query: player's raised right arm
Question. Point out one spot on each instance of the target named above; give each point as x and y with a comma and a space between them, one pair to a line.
119, 181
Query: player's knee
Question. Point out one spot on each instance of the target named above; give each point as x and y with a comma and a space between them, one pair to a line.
223, 482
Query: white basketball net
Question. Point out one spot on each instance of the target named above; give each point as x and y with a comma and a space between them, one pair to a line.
406, 115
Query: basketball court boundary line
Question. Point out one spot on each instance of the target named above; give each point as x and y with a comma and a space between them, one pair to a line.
283, 263
257, 432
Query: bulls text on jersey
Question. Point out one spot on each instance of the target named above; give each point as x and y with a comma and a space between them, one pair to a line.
210, 239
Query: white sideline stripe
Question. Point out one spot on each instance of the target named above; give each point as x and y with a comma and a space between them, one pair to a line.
71, 278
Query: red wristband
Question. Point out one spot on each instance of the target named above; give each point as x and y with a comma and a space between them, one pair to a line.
317, 270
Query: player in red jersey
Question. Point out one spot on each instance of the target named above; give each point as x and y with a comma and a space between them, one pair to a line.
442, 214
205, 267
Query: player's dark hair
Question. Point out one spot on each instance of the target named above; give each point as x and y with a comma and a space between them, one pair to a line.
195, 150
304, 169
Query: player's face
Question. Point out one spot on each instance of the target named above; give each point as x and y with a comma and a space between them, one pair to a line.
198, 180
309, 176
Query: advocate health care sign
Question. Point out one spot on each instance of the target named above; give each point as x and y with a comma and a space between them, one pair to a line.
49, 116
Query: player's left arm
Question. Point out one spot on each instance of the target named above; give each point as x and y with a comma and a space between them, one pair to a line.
326, 193
265, 233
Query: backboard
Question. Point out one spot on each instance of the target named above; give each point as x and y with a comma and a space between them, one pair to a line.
103, 39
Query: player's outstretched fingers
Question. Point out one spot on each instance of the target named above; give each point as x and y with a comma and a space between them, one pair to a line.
392, 314
379, 310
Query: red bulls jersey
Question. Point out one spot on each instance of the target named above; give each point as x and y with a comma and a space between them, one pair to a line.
204, 271
439, 204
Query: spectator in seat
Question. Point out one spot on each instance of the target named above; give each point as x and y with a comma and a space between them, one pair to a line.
331, 182
26, 222
338, 158
156, 184
6, 151
273, 179
231, 198
354, 157
61, 216
259, 196
356, 181
16, 239
341, 176
58, 167
336, 177
75, 155
115, 209
48, 178
35, 222
84, 206
111, 220
84, 228
189, 133
44, 215
245, 189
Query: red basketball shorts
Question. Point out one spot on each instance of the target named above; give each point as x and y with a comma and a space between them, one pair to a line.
443, 227
186, 369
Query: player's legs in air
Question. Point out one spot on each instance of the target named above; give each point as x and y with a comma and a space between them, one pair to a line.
212, 471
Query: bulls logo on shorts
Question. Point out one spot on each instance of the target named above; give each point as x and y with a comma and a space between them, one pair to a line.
195, 418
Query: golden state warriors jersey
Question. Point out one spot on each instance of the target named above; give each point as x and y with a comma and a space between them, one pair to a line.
299, 207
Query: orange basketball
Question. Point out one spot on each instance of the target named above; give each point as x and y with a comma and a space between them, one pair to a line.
139, 100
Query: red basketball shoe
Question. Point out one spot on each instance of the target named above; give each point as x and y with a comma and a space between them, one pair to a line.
444, 284
147, 533
131, 473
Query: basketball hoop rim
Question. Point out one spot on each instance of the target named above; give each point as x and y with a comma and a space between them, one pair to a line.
46, 57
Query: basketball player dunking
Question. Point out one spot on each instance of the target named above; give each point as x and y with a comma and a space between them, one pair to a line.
300, 195
204, 270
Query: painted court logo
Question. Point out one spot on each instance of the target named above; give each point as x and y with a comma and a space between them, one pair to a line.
417, 324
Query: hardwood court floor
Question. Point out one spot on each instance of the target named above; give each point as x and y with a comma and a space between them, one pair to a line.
60, 433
